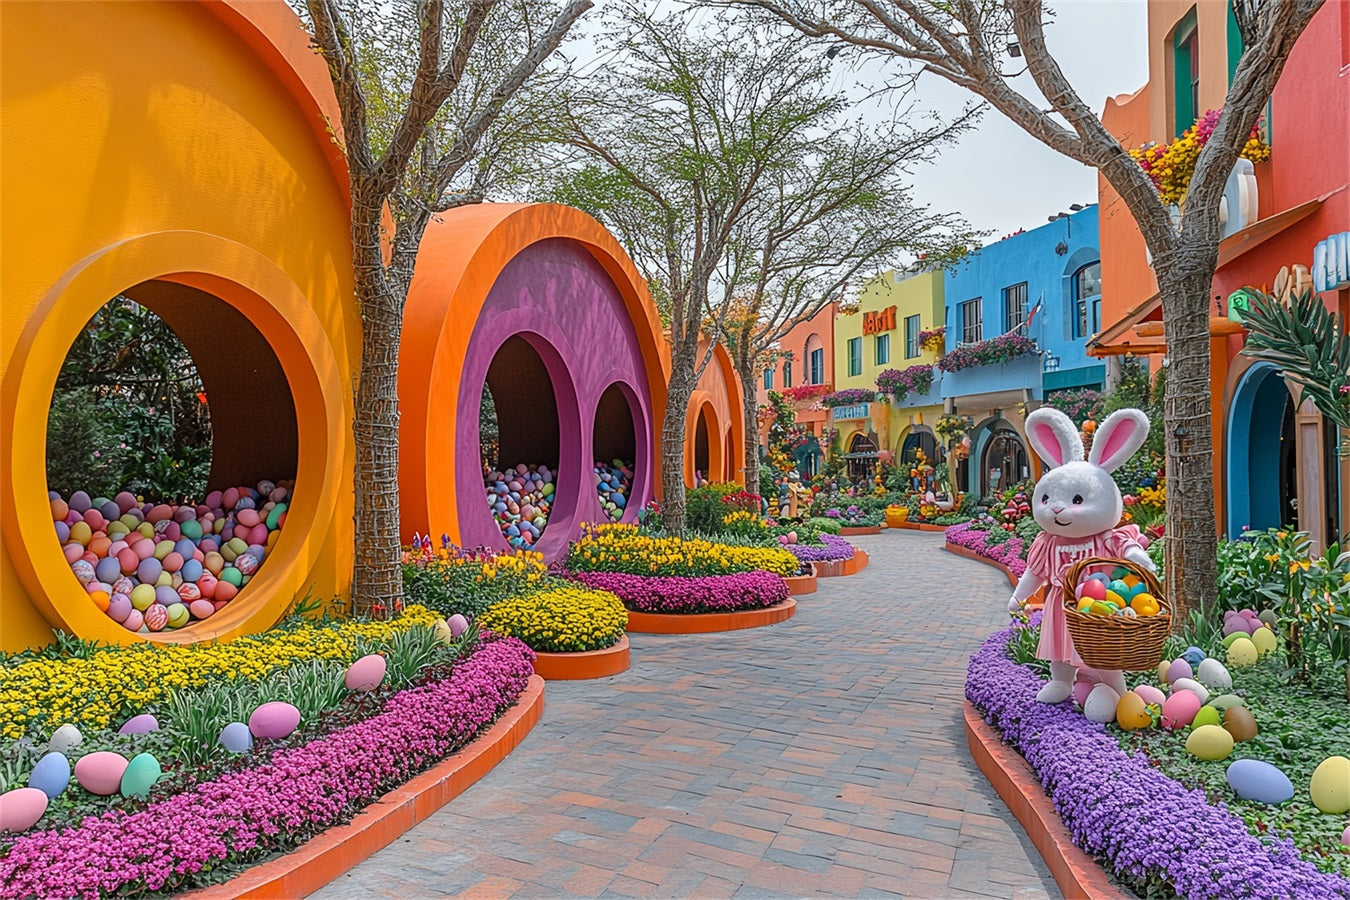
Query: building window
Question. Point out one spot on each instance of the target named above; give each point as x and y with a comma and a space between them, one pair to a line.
768, 379
882, 348
911, 337
787, 373
1015, 305
1087, 300
816, 361
972, 322
1186, 72
855, 356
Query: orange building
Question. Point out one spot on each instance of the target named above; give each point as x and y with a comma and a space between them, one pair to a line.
1275, 455
714, 431
803, 371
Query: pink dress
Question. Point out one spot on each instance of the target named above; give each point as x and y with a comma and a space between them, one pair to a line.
1049, 558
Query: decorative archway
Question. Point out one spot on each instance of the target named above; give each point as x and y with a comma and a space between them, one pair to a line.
1003, 458
862, 457
1262, 463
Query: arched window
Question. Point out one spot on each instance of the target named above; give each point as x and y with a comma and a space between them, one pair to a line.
815, 360
1087, 300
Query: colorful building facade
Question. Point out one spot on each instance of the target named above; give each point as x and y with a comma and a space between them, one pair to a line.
894, 308
803, 371
1276, 461
1019, 314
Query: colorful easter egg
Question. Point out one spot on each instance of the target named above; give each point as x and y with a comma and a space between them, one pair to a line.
100, 772
21, 808
156, 617
1330, 787
1259, 781
274, 720
1179, 710
51, 775
366, 673
1151, 695
458, 625
236, 737
142, 724
1209, 742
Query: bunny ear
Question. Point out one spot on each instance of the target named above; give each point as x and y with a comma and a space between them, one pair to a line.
1054, 437
1123, 432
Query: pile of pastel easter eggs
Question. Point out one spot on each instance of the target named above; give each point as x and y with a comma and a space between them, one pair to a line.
520, 499
152, 567
1121, 594
613, 483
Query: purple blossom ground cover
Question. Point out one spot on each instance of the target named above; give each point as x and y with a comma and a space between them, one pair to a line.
677, 595
1009, 553
252, 813
1151, 831
836, 549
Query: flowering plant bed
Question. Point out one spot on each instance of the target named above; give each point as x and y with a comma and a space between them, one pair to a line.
834, 549
278, 798
675, 595
625, 548
900, 383
1149, 830
564, 618
703, 623
995, 351
848, 397
806, 392
1011, 553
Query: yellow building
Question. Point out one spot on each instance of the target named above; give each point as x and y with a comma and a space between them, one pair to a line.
883, 333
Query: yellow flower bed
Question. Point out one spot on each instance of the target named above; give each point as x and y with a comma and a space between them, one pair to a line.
623, 548
116, 682
564, 619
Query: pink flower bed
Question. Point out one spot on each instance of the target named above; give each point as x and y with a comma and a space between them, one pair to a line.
1008, 553
674, 594
255, 812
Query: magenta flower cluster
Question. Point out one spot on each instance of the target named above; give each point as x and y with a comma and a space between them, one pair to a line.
1117, 806
675, 594
251, 813
848, 397
836, 549
992, 352
1009, 553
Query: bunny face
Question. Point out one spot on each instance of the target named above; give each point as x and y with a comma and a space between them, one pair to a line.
1078, 498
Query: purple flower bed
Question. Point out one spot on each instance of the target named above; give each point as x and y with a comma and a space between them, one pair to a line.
675, 594
1150, 829
1009, 553
252, 813
836, 549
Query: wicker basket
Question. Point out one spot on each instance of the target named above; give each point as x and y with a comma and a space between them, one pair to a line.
1117, 642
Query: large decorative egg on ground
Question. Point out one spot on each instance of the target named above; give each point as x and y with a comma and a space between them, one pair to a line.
1330, 785
141, 774
21, 808
51, 775
142, 724
274, 720
1254, 779
1209, 742
1212, 674
1179, 710
366, 673
1207, 715
65, 739
1264, 641
1151, 695
1132, 712
101, 772
1190, 684
1240, 723
1179, 669
1242, 653
1101, 704
236, 737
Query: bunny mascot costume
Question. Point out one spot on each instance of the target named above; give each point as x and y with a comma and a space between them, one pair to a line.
1078, 507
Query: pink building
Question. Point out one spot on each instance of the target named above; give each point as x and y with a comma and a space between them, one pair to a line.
804, 370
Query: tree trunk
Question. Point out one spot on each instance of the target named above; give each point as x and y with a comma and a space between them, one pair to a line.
377, 578
1184, 279
678, 392
751, 430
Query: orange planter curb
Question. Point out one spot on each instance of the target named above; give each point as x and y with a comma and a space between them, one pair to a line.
919, 526
326, 856
1076, 873
971, 554
847, 531
702, 623
586, 664
803, 584
857, 563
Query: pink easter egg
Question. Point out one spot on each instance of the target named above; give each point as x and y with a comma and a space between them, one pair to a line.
173, 562
366, 673
213, 499
144, 548
159, 513
134, 620
248, 517
458, 624
274, 720
246, 563
1151, 695
188, 592
119, 607
127, 560
117, 547
156, 617
123, 585
90, 557
202, 609
225, 592
21, 808
1179, 710
94, 519
73, 552
257, 534
126, 501
1092, 588
207, 585
230, 498
100, 772
172, 532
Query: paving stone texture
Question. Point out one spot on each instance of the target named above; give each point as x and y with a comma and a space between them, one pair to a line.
825, 755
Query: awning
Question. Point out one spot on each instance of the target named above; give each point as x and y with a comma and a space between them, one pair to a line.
1107, 342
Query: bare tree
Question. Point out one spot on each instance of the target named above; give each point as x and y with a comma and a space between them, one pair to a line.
427, 93
842, 209
965, 42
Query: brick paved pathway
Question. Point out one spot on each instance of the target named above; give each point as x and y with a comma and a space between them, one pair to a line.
823, 755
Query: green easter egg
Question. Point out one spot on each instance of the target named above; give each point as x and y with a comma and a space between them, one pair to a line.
1207, 715
140, 775
1226, 701
274, 515
232, 575
191, 529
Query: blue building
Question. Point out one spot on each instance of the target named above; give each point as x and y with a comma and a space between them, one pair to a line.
1019, 313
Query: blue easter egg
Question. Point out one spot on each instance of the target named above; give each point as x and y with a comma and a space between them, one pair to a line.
236, 738
1098, 576
1253, 779
1194, 655
107, 569
184, 548
512, 530
619, 500
51, 775
191, 571
62, 532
